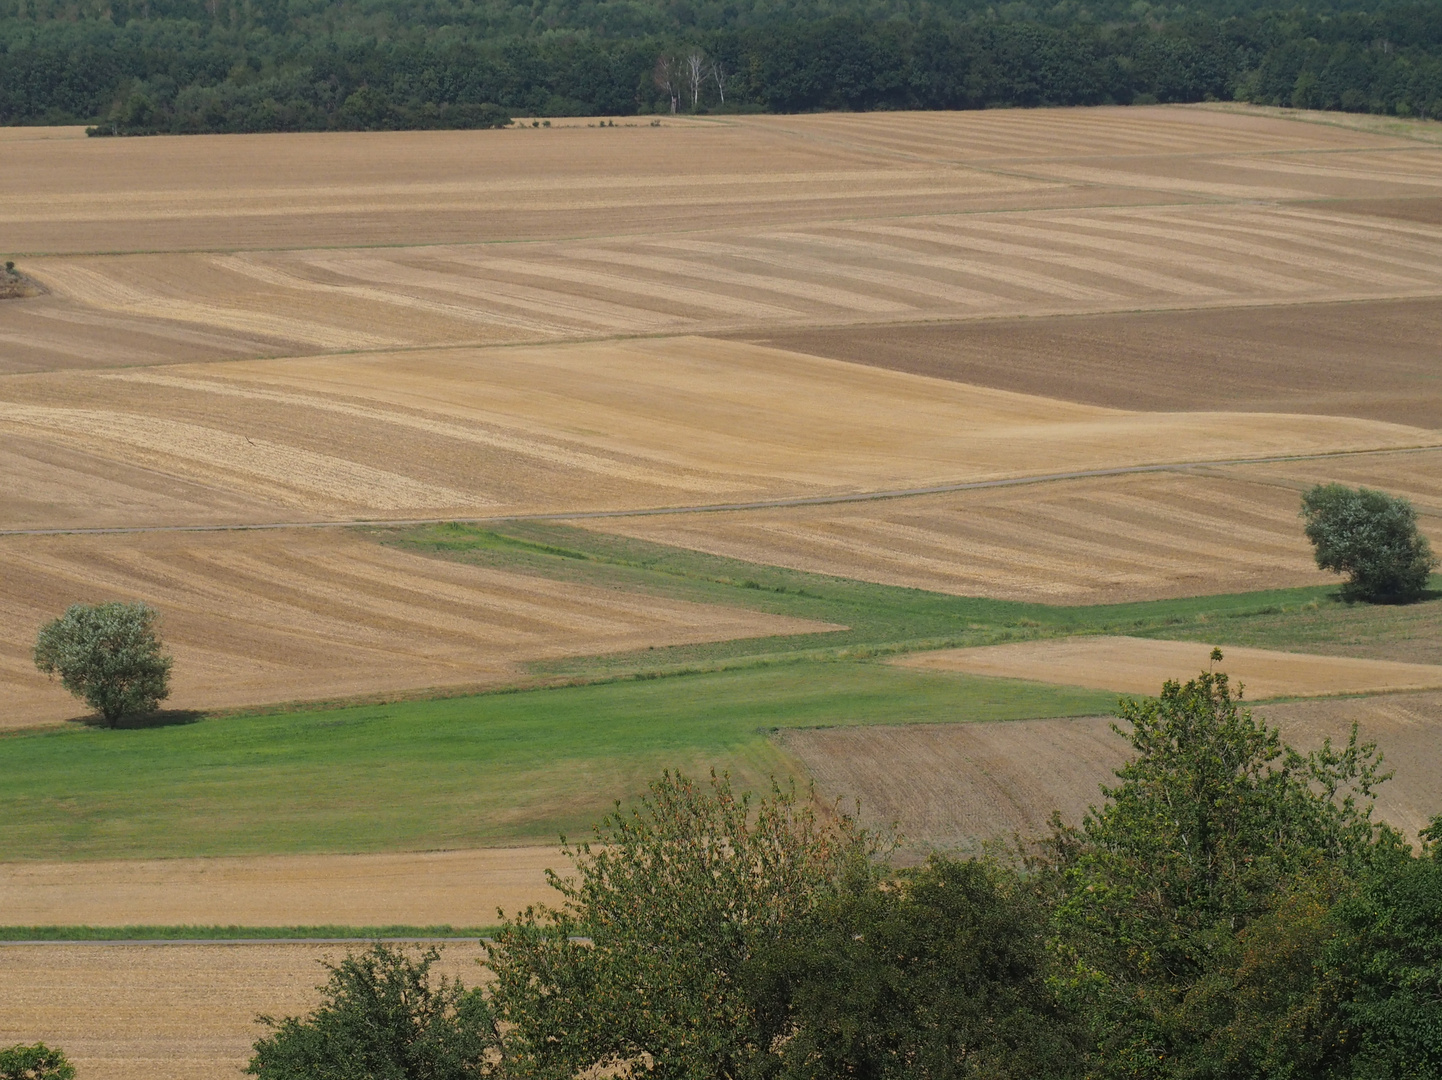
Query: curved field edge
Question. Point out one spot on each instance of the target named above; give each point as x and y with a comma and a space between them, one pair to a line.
532, 764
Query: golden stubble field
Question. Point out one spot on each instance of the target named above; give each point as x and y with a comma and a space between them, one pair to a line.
168, 1012
451, 317
272, 616
553, 429
265, 330
205, 247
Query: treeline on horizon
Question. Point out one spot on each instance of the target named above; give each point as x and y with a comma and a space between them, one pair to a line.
156, 66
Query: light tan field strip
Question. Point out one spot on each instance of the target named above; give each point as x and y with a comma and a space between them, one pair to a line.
168, 1012
877, 270
1147, 534
1140, 666
281, 616
566, 430
461, 888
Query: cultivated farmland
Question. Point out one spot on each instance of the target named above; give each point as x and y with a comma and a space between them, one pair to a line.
246, 344
556, 429
1139, 666
949, 785
166, 1012
288, 615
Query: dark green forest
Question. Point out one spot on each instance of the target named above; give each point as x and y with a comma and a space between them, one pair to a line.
141, 66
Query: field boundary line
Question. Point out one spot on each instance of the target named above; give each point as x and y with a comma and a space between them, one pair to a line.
734, 507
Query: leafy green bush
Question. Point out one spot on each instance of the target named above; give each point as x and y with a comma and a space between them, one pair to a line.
37, 1062
109, 656
1370, 536
382, 1018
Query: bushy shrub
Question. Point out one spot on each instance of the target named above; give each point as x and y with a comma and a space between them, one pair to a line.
382, 1018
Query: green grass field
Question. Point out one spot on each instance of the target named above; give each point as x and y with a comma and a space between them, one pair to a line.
450, 773
529, 764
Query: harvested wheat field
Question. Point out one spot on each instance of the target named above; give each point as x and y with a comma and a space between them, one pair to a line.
371, 241
1141, 665
283, 615
1376, 360
950, 785
167, 1012
1097, 540
873, 270
1183, 532
437, 888
560, 428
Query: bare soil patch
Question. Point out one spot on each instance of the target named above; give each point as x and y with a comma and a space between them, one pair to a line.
1372, 359
623, 425
1140, 666
950, 785
434, 888
274, 616
167, 1012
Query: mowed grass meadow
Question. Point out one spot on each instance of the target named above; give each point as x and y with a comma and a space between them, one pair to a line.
459, 772
527, 765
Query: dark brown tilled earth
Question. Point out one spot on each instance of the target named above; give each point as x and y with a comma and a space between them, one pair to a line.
1379, 360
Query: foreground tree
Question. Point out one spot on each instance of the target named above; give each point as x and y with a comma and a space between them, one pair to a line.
650, 957
382, 1018
109, 656
37, 1062
1371, 537
1193, 906
939, 972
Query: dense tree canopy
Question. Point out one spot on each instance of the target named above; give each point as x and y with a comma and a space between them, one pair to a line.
1371, 537
1229, 912
109, 655
135, 66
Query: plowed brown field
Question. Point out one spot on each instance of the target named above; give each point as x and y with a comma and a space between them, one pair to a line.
948, 785
560, 428
282, 615
166, 1012
457, 888
1367, 359
1140, 666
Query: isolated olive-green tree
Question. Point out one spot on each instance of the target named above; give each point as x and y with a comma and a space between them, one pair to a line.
1371, 537
108, 655
649, 961
382, 1017
35, 1062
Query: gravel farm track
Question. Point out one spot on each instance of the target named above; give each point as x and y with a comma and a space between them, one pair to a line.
274, 330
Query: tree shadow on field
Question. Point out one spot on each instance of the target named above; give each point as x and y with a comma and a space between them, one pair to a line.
159, 718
